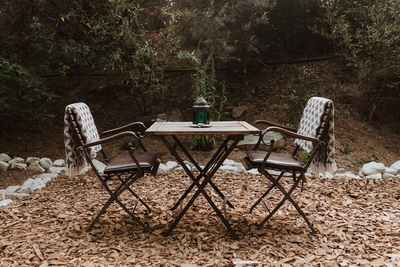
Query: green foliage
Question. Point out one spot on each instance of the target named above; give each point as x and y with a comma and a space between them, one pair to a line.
131, 42
205, 82
120, 38
205, 85
226, 28
203, 142
368, 34
124, 39
303, 156
22, 94
346, 149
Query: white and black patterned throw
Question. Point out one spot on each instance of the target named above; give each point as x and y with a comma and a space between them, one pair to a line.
324, 160
75, 158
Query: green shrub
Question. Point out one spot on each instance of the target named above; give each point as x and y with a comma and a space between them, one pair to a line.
22, 94
367, 33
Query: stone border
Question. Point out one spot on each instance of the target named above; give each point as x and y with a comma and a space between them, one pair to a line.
49, 170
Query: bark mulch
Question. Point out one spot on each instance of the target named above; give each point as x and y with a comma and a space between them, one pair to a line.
357, 223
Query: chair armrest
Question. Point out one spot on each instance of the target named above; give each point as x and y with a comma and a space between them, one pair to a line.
270, 124
264, 122
292, 134
112, 138
125, 127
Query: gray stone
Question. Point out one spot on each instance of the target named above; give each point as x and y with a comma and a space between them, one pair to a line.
375, 176
17, 195
349, 175
16, 160
373, 168
100, 166
279, 139
253, 171
18, 166
30, 160
56, 170
47, 176
43, 180
249, 141
46, 163
187, 163
229, 162
4, 157
388, 175
12, 189
164, 167
227, 168
35, 166
59, 163
396, 166
238, 111
31, 185
390, 171
171, 164
172, 115
5, 202
4, 166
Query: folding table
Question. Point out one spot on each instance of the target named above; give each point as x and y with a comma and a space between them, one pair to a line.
231, 130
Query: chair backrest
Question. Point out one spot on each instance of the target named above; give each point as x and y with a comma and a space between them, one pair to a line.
82, 124
79, 129
314, 121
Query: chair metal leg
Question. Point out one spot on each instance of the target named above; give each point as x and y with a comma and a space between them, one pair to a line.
114, 197
134, 194
266, 193
287, 196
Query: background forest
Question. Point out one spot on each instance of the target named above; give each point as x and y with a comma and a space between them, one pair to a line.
56, 52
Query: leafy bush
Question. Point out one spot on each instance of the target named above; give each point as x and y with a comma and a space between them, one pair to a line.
224, 28
367, 32
22, 94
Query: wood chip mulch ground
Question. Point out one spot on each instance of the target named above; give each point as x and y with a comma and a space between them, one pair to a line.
357, 223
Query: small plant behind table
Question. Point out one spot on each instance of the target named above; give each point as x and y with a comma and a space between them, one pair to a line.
346, 149
205, 85
303, 156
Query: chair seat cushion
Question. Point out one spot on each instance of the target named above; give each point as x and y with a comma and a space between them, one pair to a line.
281, 161
124, 163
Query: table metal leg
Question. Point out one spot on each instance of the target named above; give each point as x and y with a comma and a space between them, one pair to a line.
210, 168
207, 173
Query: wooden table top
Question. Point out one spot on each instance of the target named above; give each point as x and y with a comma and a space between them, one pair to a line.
218, 127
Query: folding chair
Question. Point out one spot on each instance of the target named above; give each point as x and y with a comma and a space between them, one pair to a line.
314, 135
82, 142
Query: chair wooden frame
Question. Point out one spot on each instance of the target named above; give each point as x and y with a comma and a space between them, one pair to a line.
266, 161
126, 169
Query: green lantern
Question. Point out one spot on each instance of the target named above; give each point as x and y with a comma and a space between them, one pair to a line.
201, 113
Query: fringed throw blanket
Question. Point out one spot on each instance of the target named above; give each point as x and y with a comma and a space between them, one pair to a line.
324, 161
75, 158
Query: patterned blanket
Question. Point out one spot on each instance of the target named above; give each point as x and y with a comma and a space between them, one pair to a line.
324, 161
75, 158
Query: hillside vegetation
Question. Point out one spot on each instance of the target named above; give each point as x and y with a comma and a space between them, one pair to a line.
128, 58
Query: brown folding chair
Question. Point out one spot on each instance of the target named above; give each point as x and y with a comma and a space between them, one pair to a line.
314, 135
82, 142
